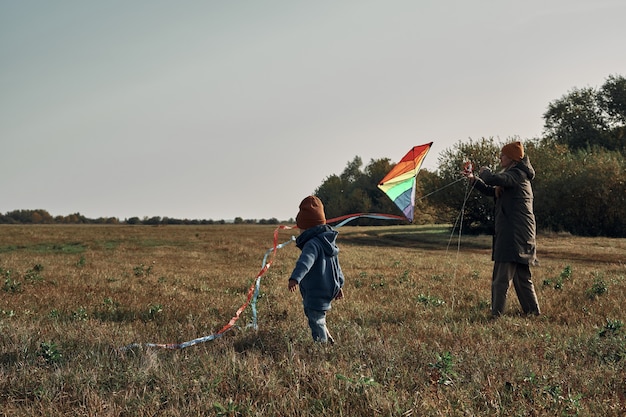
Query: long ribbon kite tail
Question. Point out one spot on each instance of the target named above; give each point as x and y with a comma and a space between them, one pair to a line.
343, 220
251, 297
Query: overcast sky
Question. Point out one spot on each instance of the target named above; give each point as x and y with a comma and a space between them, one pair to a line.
223, 109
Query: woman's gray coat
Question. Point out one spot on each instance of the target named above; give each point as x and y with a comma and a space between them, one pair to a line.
515, 228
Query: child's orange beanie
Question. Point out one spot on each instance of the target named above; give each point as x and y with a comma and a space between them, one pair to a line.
311, 213
514, 150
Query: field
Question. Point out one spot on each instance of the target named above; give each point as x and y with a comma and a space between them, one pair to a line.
413, 333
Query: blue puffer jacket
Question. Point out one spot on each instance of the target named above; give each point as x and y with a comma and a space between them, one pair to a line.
317, 270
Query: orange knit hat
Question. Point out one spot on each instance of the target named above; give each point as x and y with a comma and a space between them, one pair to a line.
311, 213
514, 151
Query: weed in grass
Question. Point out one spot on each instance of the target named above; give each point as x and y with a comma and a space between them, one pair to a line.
599, 286
358, 384
405, 277
154, 310
611, 328
80, 314
557, 283
429, 300
376, 285
610, 344
231, 409
12, 286
49, 352
34, 274
443, 369
142, 271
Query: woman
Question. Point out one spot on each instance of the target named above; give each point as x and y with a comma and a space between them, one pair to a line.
514, 247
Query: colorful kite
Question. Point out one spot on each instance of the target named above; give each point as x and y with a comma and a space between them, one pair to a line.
399, 183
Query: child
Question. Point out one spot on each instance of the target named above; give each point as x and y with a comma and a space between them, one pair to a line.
317, 270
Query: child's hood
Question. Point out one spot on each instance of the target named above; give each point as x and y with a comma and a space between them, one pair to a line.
328, 240
325, 235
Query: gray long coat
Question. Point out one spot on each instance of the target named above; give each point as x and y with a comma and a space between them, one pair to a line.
515, 228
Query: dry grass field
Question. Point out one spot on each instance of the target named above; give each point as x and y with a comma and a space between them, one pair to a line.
413, 334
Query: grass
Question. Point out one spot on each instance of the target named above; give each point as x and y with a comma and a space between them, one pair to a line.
413, 334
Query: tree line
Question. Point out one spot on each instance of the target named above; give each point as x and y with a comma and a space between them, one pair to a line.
40, 216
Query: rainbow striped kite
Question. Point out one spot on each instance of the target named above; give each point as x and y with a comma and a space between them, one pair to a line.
399, 183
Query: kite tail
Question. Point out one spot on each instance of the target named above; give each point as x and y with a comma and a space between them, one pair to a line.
251, 297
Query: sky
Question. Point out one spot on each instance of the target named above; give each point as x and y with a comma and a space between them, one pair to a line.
224, 109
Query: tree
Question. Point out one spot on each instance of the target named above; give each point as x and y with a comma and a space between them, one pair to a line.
331, 192
29, 216
576, 120
586, 118
613, 98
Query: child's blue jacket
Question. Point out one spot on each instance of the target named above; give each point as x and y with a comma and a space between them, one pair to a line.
317, 270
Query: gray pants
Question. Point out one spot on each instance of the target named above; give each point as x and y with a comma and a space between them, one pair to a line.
317, 323
503, 274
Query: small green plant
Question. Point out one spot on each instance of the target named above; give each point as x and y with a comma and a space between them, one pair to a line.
110, 305
611, 328
153, 311
81, 262
9, 313
379, 285
443, 369
229, 410
12, 286
80, 314
557, 283
359, 384
429, 300
49, 352
34, 274
598, 288
405, 276
142, 271
437, 277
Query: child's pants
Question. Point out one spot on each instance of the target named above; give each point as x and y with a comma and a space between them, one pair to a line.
317, 323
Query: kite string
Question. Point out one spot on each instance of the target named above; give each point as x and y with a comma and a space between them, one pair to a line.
459, 221
439, 189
